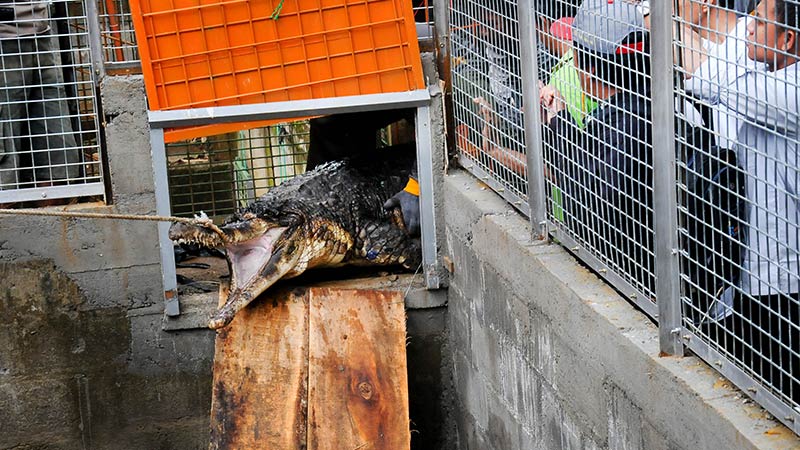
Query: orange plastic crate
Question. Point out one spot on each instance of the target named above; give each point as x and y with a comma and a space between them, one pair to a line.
201, 53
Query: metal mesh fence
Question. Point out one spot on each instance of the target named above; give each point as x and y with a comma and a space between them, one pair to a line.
117, 35
49, 138
735, 115
597, 141
738, 198
487, 94
219, 174
423, 16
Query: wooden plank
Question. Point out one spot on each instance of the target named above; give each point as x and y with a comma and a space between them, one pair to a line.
358, 387
261, 375
322, 368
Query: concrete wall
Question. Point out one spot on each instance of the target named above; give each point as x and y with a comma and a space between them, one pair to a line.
547, 357
84, 362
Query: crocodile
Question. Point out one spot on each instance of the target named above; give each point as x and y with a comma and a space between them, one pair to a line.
330, 216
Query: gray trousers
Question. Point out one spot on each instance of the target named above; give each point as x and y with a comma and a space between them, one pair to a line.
37, 143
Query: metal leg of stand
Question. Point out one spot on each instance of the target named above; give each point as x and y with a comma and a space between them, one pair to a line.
426, 197
168, 276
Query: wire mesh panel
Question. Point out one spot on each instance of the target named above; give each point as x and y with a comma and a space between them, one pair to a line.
596, 110
487, 94
736, 139
423, 16
116, 28
49, 139
738, 194
219, 174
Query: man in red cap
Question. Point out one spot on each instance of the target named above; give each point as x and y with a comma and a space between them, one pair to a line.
603, 166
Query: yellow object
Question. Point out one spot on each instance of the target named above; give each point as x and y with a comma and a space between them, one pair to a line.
412, 187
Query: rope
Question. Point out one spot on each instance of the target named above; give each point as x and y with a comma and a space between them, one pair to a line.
201, 221
277, 11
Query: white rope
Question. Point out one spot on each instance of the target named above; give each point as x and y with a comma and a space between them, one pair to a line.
201, 221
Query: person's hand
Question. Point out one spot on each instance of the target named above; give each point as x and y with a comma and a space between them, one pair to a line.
408, 202
547, 94
485, 109
462, 141
551, 101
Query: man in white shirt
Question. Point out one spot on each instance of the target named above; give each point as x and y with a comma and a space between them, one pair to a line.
725, 62
764, 99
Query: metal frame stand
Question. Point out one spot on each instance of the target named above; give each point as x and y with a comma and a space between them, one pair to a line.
169, 279
426, 198
420, 99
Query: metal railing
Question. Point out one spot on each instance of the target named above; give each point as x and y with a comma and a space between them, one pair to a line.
50, 140
117, 35
423, 16
220, 174
615, 124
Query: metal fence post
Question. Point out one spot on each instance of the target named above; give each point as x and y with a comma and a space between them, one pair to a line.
95, 39
664, 182
533, 120
426, 198
441, 24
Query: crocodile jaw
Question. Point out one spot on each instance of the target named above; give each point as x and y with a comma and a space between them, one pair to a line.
232, 233
258, 256
247, 259
255, 265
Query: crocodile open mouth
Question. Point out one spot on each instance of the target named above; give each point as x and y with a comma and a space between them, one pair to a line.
258, 256
255, 265
248, 259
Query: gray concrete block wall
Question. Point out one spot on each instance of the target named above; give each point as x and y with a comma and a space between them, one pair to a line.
546, 356
84, 361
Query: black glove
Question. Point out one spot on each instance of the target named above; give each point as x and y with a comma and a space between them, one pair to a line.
409, 206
